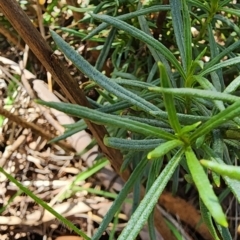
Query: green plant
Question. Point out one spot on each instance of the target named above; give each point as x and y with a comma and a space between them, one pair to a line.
195, 108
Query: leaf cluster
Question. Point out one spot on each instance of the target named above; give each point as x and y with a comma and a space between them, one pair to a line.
187, 116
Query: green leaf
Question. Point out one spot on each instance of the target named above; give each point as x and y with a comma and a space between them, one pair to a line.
207, 219
222, 54
4, 207
204, 187
134, 32
44, 205
152, 9
218, 148
153, 174
216, 179
177, 21
199, 142
222, 169
189, 128
187, 34
188, 178
164, 148
216, 120
82, 34
224, 232
123, 104
112, 120
132, 83
226, 63
120, 199
168, 100
140, 216
82, 9
230, 10
219, 82
190, 92
66, 134
234, 185
99, 78
200, 4
102, 58
233, 85
132, 145
207, 85
158, 57
91, 170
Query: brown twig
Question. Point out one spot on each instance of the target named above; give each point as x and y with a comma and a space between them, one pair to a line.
186, 212
10, 36
35, 128
161, 18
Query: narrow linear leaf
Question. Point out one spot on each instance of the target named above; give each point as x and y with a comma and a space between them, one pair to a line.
217, 76
200, 4
82, 9
207, 218
66, 134
183, 118
168, 100
230, 10
127, 16
91, 170
44, 205
134, 83
218, 148
158, 57
233, 85
204, 187
207, 85
216, 179
130, 145
190, 92
123, 104
99, 78
102, 58
134, 32
140, 216
224, 232
234, 185
81, 34
187, 34
220, 118
222, 169
4, 207
222, 54
112, 120
177, 21
164, 148
226, 63
189, 128
153, 174
120, 199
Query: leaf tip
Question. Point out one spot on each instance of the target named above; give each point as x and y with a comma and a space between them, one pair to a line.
149, 156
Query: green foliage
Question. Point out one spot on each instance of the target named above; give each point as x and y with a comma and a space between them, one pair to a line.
191, 113
194, 89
